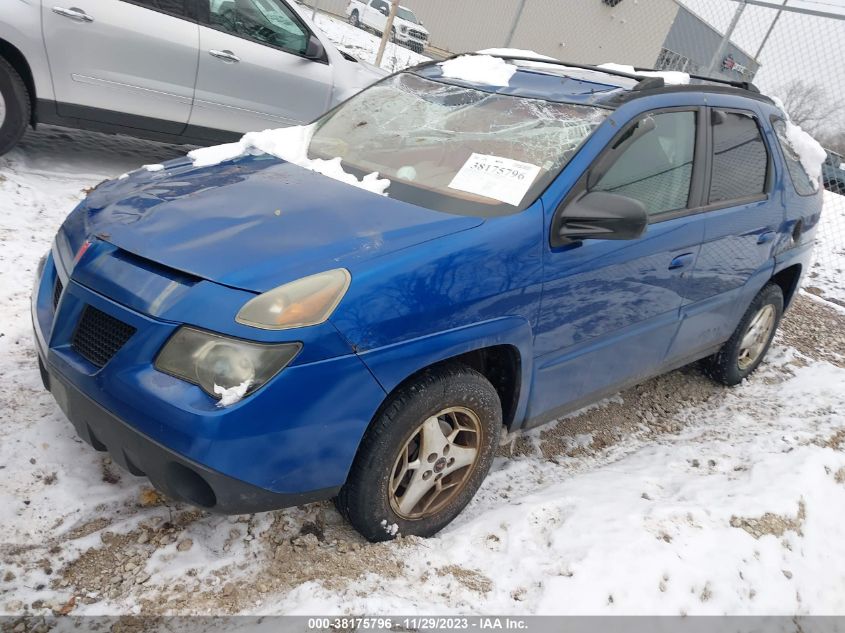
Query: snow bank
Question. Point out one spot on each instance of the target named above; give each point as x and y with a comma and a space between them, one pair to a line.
810, 151
289, 144
481, 69
826, 278
671, 77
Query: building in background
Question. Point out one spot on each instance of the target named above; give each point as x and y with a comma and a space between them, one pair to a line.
649, 33
691, 43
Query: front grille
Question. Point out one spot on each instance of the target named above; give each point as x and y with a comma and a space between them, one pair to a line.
418, 35
57, 292
99, 336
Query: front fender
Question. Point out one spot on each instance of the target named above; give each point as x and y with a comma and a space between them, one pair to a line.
393, 364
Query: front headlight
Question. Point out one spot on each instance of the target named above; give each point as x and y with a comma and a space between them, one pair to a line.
307, 301
222, 365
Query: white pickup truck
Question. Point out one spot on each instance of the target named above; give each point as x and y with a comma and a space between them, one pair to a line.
372, 14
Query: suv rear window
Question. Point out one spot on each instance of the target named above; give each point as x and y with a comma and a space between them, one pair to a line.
740, 158
802, 182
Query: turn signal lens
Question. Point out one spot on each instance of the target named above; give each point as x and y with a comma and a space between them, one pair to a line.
307, 301
82, 249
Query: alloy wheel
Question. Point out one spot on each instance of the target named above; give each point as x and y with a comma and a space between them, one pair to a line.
435, 463
2, 110
756, 337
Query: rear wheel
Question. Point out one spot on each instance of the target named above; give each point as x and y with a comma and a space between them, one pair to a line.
424, 457
745, 350
15, 107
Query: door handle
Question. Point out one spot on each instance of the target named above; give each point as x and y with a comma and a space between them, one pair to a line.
766, 237
73, 13
681, 261
226, 56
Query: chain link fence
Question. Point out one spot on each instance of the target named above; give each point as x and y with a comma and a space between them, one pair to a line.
795, 54
791, 49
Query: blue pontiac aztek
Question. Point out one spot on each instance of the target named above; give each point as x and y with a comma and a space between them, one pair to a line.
252, 334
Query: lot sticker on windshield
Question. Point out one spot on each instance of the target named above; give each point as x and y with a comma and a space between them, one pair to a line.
494, 177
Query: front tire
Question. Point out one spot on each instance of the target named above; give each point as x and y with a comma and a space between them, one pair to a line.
15, 107
424, 456
353, 19
747, 347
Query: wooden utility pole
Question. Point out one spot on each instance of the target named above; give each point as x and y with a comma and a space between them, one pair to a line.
388, 29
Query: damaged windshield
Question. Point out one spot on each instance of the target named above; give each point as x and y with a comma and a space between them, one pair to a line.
452, 148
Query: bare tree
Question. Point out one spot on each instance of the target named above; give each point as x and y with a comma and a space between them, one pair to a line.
834, 142
809, 105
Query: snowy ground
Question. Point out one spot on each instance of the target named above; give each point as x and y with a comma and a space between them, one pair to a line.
827, 277
364, 44
678, 496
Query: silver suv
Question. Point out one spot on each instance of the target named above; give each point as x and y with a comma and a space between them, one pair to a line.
192, 71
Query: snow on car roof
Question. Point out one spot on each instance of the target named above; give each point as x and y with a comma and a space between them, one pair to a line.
533, 80
531, 75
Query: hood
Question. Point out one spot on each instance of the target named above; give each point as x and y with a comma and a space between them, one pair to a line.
253, 223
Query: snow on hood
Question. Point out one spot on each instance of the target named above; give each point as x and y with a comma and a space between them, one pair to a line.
479, 69
252, 223
810, 151
291, 145
671, 77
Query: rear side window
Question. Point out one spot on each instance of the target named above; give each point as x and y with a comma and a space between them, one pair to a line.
803, 183
740, 158
656, 166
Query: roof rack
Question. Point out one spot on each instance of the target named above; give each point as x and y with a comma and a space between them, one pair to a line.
645, 82
744, 85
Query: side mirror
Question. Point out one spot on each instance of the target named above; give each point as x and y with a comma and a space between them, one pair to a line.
384, 11
603, 216
315, 49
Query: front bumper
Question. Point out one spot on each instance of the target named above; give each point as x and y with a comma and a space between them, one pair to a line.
408, 38
290, 442
170, 472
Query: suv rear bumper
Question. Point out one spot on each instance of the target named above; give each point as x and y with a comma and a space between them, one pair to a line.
170, 472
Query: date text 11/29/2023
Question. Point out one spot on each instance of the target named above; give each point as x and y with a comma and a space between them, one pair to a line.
418, 623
